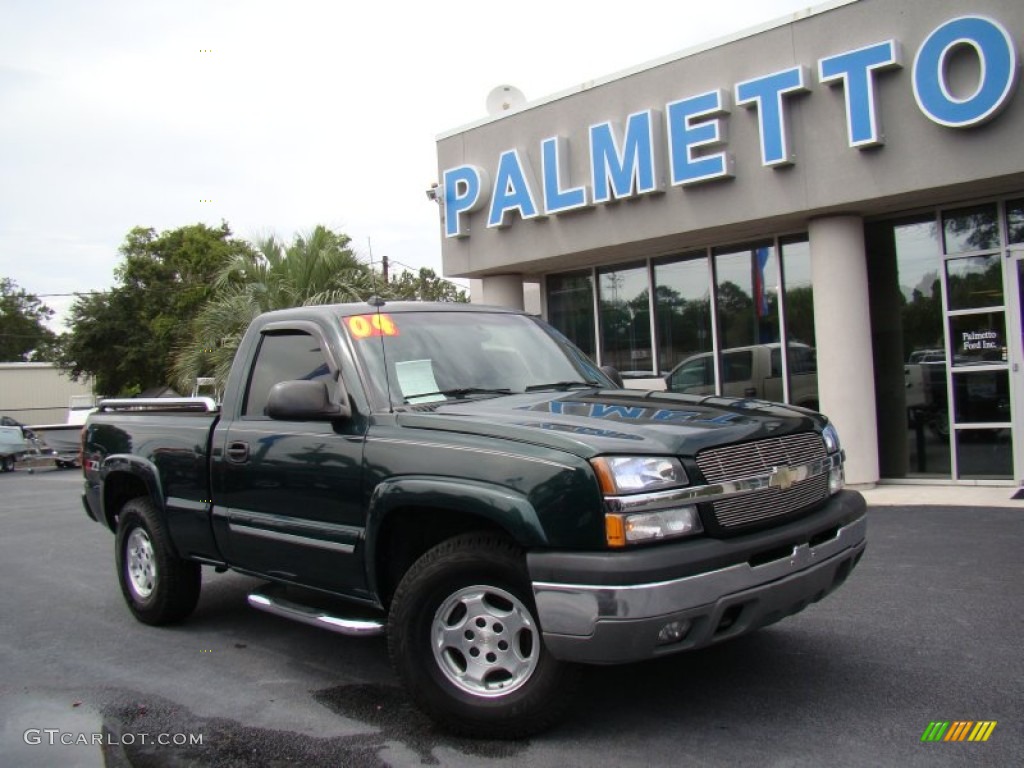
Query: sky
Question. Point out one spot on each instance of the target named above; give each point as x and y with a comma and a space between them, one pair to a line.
277, 115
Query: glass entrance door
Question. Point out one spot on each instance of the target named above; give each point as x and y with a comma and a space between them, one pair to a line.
1015, 262
981, 303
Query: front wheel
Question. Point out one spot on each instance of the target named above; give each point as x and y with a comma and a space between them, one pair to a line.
159, 586
464, 639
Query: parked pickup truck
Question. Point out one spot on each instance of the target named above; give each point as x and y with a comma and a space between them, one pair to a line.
466, 481
754, 371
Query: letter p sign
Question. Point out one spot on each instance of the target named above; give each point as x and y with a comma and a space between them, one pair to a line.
463, 192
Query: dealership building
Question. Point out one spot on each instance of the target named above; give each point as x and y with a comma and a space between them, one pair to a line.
828, 208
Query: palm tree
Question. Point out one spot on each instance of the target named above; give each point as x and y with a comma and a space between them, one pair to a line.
317, 268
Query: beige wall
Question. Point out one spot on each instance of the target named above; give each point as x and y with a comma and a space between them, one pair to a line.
919, 163
37, 393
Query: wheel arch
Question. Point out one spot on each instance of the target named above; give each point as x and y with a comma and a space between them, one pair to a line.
126, 478
409, 516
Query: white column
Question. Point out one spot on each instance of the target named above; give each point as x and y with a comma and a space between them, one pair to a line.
502, 291
842, 328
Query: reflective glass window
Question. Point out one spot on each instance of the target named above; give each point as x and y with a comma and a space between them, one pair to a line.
909, 343
984, 454
981, 397
570, 302
746, 293
974, 281
978, 338
626, 319
970, 229
683, 309
1015, 221
799, 301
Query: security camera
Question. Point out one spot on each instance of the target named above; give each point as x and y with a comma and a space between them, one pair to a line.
434, 193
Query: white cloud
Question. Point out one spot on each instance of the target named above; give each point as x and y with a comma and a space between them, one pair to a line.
301, 113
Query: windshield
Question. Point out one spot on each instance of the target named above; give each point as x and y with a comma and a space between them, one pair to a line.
435, 356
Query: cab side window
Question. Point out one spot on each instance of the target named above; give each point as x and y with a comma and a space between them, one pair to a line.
737, 366
696, 373
283, 356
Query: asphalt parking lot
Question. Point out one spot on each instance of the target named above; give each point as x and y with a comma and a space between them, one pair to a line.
928, 628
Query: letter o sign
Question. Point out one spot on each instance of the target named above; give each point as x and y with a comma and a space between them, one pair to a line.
997, 57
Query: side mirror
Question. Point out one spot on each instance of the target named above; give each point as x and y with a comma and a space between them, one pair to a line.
305, 401
612, 373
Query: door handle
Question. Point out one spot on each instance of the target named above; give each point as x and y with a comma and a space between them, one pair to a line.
238, 452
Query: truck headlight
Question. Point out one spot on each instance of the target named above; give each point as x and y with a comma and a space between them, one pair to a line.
637, 474
623, 529
639, 501
836, 478
831, 438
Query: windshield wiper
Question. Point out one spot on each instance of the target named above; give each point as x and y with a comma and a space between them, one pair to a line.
460, 392
563, 385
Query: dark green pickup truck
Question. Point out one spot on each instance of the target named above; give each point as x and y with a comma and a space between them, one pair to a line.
465, 480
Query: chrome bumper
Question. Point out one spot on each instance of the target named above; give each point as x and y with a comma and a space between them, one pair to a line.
614, 624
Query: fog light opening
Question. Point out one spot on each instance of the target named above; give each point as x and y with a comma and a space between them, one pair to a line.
673, 632
729, 617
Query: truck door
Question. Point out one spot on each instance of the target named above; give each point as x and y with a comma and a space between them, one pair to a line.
288, 495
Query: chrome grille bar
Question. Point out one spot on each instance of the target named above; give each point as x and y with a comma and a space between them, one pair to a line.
806, 473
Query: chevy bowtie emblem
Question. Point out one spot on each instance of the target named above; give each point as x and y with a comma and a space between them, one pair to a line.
782, 478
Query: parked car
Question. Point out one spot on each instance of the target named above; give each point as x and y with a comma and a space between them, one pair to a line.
466, 481
754, 371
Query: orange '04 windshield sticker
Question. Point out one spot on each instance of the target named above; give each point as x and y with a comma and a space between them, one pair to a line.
368, 326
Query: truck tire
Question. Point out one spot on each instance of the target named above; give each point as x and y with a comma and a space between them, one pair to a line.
7, 464
159, 587
464, 640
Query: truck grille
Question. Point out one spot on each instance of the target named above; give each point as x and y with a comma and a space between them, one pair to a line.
757, 458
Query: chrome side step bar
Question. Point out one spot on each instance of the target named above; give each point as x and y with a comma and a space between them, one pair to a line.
315, 616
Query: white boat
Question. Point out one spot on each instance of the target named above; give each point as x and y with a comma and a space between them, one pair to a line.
64, 440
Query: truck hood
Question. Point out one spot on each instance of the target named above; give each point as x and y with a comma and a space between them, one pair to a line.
592, 422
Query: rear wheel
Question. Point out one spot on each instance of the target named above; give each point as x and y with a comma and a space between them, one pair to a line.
159, 586
464, 639
7, 465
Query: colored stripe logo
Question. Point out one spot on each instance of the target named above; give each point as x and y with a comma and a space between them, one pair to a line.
959, 730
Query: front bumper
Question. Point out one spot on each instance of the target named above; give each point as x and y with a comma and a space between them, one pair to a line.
616, 623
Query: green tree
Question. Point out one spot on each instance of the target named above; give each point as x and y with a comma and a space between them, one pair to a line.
316, 268
800, 314
24, 336
125, 337
425, 285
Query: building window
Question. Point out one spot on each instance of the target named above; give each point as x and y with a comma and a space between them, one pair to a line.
970, 229
624, 294
1015, 222
570, 304
939, 332
980, 376
745, 304
904, 262
798, 300
973, 282
746, 296
682, 298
